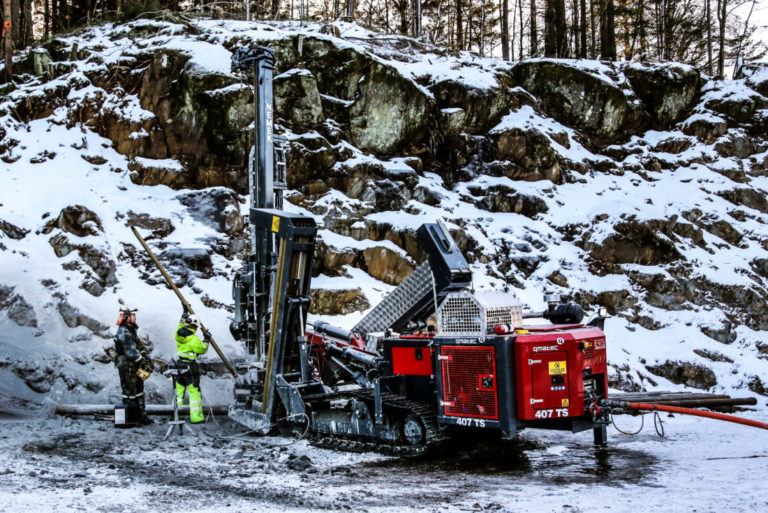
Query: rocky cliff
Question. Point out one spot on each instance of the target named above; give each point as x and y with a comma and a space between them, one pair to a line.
635, 186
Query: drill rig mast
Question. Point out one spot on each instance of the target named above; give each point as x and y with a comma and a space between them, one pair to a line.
271, 291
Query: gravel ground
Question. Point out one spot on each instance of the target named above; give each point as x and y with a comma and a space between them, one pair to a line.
82, 464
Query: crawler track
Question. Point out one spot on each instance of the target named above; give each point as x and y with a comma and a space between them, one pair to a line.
394, 404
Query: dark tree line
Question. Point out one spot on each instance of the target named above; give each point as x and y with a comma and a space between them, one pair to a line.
704, 33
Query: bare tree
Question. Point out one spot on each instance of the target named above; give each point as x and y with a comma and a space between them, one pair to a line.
459, 28
534, 31
575, 26
583, 29
555, 29
708, 9
8, 37
592, 30
607, 31
722, 14
522, 28
504, 29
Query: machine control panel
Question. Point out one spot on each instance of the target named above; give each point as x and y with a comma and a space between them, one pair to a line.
550, 371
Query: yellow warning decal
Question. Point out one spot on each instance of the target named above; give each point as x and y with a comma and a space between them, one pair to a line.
557, 367
275, 223
565, 403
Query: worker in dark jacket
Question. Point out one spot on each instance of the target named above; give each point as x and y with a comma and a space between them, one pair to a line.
188, 348
133, 366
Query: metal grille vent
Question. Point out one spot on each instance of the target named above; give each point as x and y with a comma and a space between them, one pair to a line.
469, 382
459, 314
463, 313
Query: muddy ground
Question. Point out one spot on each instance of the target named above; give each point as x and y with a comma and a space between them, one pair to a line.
81, 464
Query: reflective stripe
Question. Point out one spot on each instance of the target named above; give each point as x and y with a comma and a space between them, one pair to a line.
188, 356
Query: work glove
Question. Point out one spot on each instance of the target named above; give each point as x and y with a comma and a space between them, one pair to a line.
145, 368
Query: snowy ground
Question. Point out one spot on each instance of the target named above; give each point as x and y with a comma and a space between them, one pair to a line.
80, 464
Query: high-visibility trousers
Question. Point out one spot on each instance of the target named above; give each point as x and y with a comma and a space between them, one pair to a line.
195, 401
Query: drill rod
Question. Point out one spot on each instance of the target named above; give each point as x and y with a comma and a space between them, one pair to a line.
184, 302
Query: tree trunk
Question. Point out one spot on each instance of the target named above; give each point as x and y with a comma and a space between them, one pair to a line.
8, 37
722, 12
641, 27
482, 28
583, 29
28, 34
15, 16
505, 29
555, 29
550, 29
416, 18
534, 33
522, 29
46, 19
459, 29
468, 35
561, 29
275, 9
592, 31
708, 8
607, 31
575, 25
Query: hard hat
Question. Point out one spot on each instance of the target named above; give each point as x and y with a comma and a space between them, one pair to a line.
124, 314
192, 319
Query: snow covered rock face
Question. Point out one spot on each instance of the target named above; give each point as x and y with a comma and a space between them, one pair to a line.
583, 98
297, 99
17, 308
667, 91
544, 172
384, 112
480, 108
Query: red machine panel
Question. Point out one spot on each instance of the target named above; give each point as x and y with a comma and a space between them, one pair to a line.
412, 361
549, 380
469, 381
550, 371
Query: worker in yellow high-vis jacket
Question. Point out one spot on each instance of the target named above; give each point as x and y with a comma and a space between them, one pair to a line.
188, 348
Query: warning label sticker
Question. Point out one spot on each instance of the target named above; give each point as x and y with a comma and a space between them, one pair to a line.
275, 224
557, 367
566, 403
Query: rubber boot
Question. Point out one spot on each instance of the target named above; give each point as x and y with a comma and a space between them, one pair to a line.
143, 419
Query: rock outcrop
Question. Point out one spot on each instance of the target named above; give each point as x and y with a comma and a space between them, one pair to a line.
583, 98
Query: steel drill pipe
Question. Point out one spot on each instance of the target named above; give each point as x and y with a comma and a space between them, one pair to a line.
184, 303
151, 409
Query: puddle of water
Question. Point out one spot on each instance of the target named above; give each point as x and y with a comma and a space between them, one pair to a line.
523, 458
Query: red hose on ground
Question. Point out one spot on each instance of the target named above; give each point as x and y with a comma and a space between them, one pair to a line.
698, 413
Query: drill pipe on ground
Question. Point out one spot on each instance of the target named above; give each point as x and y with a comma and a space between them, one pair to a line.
184, 302
151, 409
711, 403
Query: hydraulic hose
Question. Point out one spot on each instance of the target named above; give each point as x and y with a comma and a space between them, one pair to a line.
690, 411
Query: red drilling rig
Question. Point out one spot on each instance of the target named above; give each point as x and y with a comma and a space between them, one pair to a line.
432, 358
